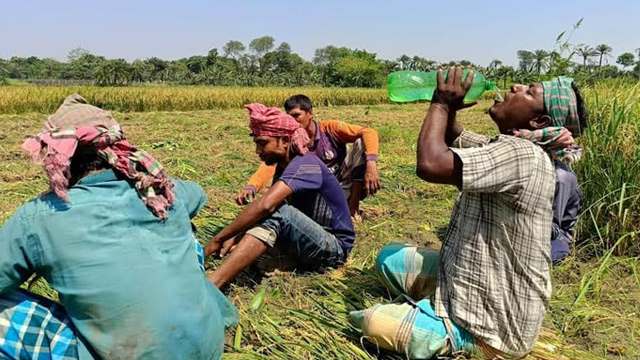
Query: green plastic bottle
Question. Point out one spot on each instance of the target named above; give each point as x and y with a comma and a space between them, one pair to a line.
406, 86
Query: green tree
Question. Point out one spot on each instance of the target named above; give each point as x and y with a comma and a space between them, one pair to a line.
4, 72
284, 48
586, 52
341, 66
83, 65
360, 71
140, 71
540, 60
158, 69
112, 73
505, 73
626, 59
608, 71
404, 62
233, 49
261, 45
558, 64
77, 53
526, 60
603, 51
177, 71
495, 63
212, 57
196, 64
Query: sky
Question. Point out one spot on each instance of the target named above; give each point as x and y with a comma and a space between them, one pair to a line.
478, 31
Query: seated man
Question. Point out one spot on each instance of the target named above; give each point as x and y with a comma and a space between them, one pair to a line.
566, 206
114, 238
304, 213
563, 103
356, 169
488, 287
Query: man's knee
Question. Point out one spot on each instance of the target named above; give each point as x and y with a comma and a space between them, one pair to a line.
389, 257
270, 228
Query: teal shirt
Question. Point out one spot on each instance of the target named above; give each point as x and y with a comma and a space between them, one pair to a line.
130, 282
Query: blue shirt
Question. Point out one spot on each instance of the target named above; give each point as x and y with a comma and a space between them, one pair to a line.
130, 282
317, 193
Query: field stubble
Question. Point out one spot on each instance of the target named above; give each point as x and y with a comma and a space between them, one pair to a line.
295, 316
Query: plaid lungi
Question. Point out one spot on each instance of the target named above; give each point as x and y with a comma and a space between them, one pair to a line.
352, 168
33, 327
411, 328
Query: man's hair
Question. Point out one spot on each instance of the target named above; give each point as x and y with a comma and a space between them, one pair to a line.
583, 113
83, 161
298, 101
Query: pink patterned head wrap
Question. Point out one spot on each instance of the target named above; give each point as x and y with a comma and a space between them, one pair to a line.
271, 121
78, 123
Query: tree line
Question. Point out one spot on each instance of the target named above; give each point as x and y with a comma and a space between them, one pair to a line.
262, 63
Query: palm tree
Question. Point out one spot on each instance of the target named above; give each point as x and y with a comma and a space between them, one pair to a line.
404, 62
526, 58
603, 50
233, 49
492, 69
422, 64
504, 73
586, 52
495, 63
540, 60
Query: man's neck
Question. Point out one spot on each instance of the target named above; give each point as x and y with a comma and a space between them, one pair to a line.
282, 164
75, 179
311, 130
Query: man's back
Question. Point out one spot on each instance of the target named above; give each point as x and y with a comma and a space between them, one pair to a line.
130, 282
318, 195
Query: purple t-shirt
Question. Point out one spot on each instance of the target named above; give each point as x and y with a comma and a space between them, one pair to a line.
317, 193
331, 151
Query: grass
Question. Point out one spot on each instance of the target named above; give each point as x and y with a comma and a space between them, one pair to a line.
610, 171
593, 313
17, 99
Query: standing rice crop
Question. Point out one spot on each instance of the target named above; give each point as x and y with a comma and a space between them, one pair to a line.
45, 99
610, 170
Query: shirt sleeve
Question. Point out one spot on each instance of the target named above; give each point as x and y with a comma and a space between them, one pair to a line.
262, 176
469, 139
348, 133
192, 196
15, 265
501, 166
303, 173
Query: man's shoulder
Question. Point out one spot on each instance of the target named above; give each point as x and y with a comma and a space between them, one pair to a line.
186, 185
38, 206
310, 158
518, 145
307, 164
327, 123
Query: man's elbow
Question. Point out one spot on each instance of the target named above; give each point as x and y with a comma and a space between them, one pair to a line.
267, 207
427, 170
431, 170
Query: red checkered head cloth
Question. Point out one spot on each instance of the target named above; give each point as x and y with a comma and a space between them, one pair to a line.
77, 123
271, 121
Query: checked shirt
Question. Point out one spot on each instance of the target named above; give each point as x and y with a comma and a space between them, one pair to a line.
494, 278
